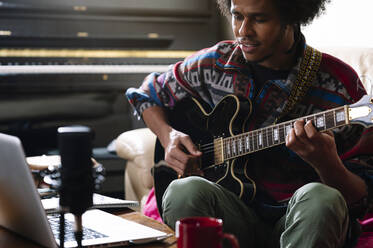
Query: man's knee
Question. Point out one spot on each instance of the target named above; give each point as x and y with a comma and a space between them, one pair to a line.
318, 196
317, 216
191, 196
190, 188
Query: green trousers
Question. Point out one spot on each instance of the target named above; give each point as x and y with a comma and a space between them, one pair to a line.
317, 215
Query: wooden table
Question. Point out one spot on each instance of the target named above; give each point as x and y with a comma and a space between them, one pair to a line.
139, 218
12, 240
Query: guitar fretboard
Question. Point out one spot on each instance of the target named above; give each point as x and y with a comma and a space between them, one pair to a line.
274, 135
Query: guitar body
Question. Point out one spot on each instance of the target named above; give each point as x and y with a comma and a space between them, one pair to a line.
203, 125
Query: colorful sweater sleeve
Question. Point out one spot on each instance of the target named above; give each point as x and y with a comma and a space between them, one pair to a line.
190, 77
157, 90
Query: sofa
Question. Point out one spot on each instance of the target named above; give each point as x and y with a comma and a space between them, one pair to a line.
137, 146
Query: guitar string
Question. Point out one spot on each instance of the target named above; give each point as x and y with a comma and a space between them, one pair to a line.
328, 115
281, 127
252, 135
265, 133
253, 142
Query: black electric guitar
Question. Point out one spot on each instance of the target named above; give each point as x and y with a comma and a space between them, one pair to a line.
221, 136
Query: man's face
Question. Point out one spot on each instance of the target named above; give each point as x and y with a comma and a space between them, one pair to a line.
258, 30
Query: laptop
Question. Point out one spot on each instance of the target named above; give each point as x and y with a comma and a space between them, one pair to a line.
21, 210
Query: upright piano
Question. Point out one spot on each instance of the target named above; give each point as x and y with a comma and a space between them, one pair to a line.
69, 62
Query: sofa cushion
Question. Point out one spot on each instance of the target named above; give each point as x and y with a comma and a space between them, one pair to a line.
136, 145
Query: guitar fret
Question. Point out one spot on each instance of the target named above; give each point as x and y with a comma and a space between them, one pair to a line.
282, 134
240, 149
247, 143
340, 117
224, 149
314, 119
276, 135
234, 147
260, 139
269, 136
251, 141
320, 122
329, 120
255, 141
237, 146
288, 128
335, 117
242, 140
229, 148
265, 138
242, 145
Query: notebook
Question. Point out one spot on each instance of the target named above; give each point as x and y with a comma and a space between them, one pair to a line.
21, 210
51, 205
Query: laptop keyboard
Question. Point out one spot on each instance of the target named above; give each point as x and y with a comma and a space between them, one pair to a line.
54, 221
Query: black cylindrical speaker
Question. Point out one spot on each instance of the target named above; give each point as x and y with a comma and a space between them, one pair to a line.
75, 147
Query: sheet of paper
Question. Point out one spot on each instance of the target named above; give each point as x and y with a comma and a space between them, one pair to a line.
99, 201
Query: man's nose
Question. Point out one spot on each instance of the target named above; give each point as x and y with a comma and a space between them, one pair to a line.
246, 28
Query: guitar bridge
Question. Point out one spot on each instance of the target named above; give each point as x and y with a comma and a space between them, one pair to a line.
218, 151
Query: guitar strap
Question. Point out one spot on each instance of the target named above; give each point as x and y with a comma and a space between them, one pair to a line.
309, 67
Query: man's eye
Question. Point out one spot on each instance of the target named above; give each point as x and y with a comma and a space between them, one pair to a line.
237, 16
260, 20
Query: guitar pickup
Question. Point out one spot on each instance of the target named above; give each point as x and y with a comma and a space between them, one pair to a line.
218, 151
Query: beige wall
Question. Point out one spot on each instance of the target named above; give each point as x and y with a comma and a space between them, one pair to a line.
345, 23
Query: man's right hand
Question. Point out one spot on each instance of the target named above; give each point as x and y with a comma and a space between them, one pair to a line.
181, 154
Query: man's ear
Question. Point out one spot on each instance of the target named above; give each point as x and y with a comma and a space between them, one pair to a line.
296, 35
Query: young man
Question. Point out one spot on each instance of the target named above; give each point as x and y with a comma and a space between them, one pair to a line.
306, 196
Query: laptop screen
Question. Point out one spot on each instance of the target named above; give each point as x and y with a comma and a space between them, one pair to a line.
21, 210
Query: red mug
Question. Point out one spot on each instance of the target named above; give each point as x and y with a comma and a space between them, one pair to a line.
202, 232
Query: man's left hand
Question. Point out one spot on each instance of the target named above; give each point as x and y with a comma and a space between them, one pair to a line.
314, 147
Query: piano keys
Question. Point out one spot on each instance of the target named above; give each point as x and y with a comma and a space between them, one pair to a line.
70, 62
83, 38
80, 70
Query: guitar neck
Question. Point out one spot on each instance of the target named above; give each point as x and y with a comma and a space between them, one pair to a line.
260, 139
